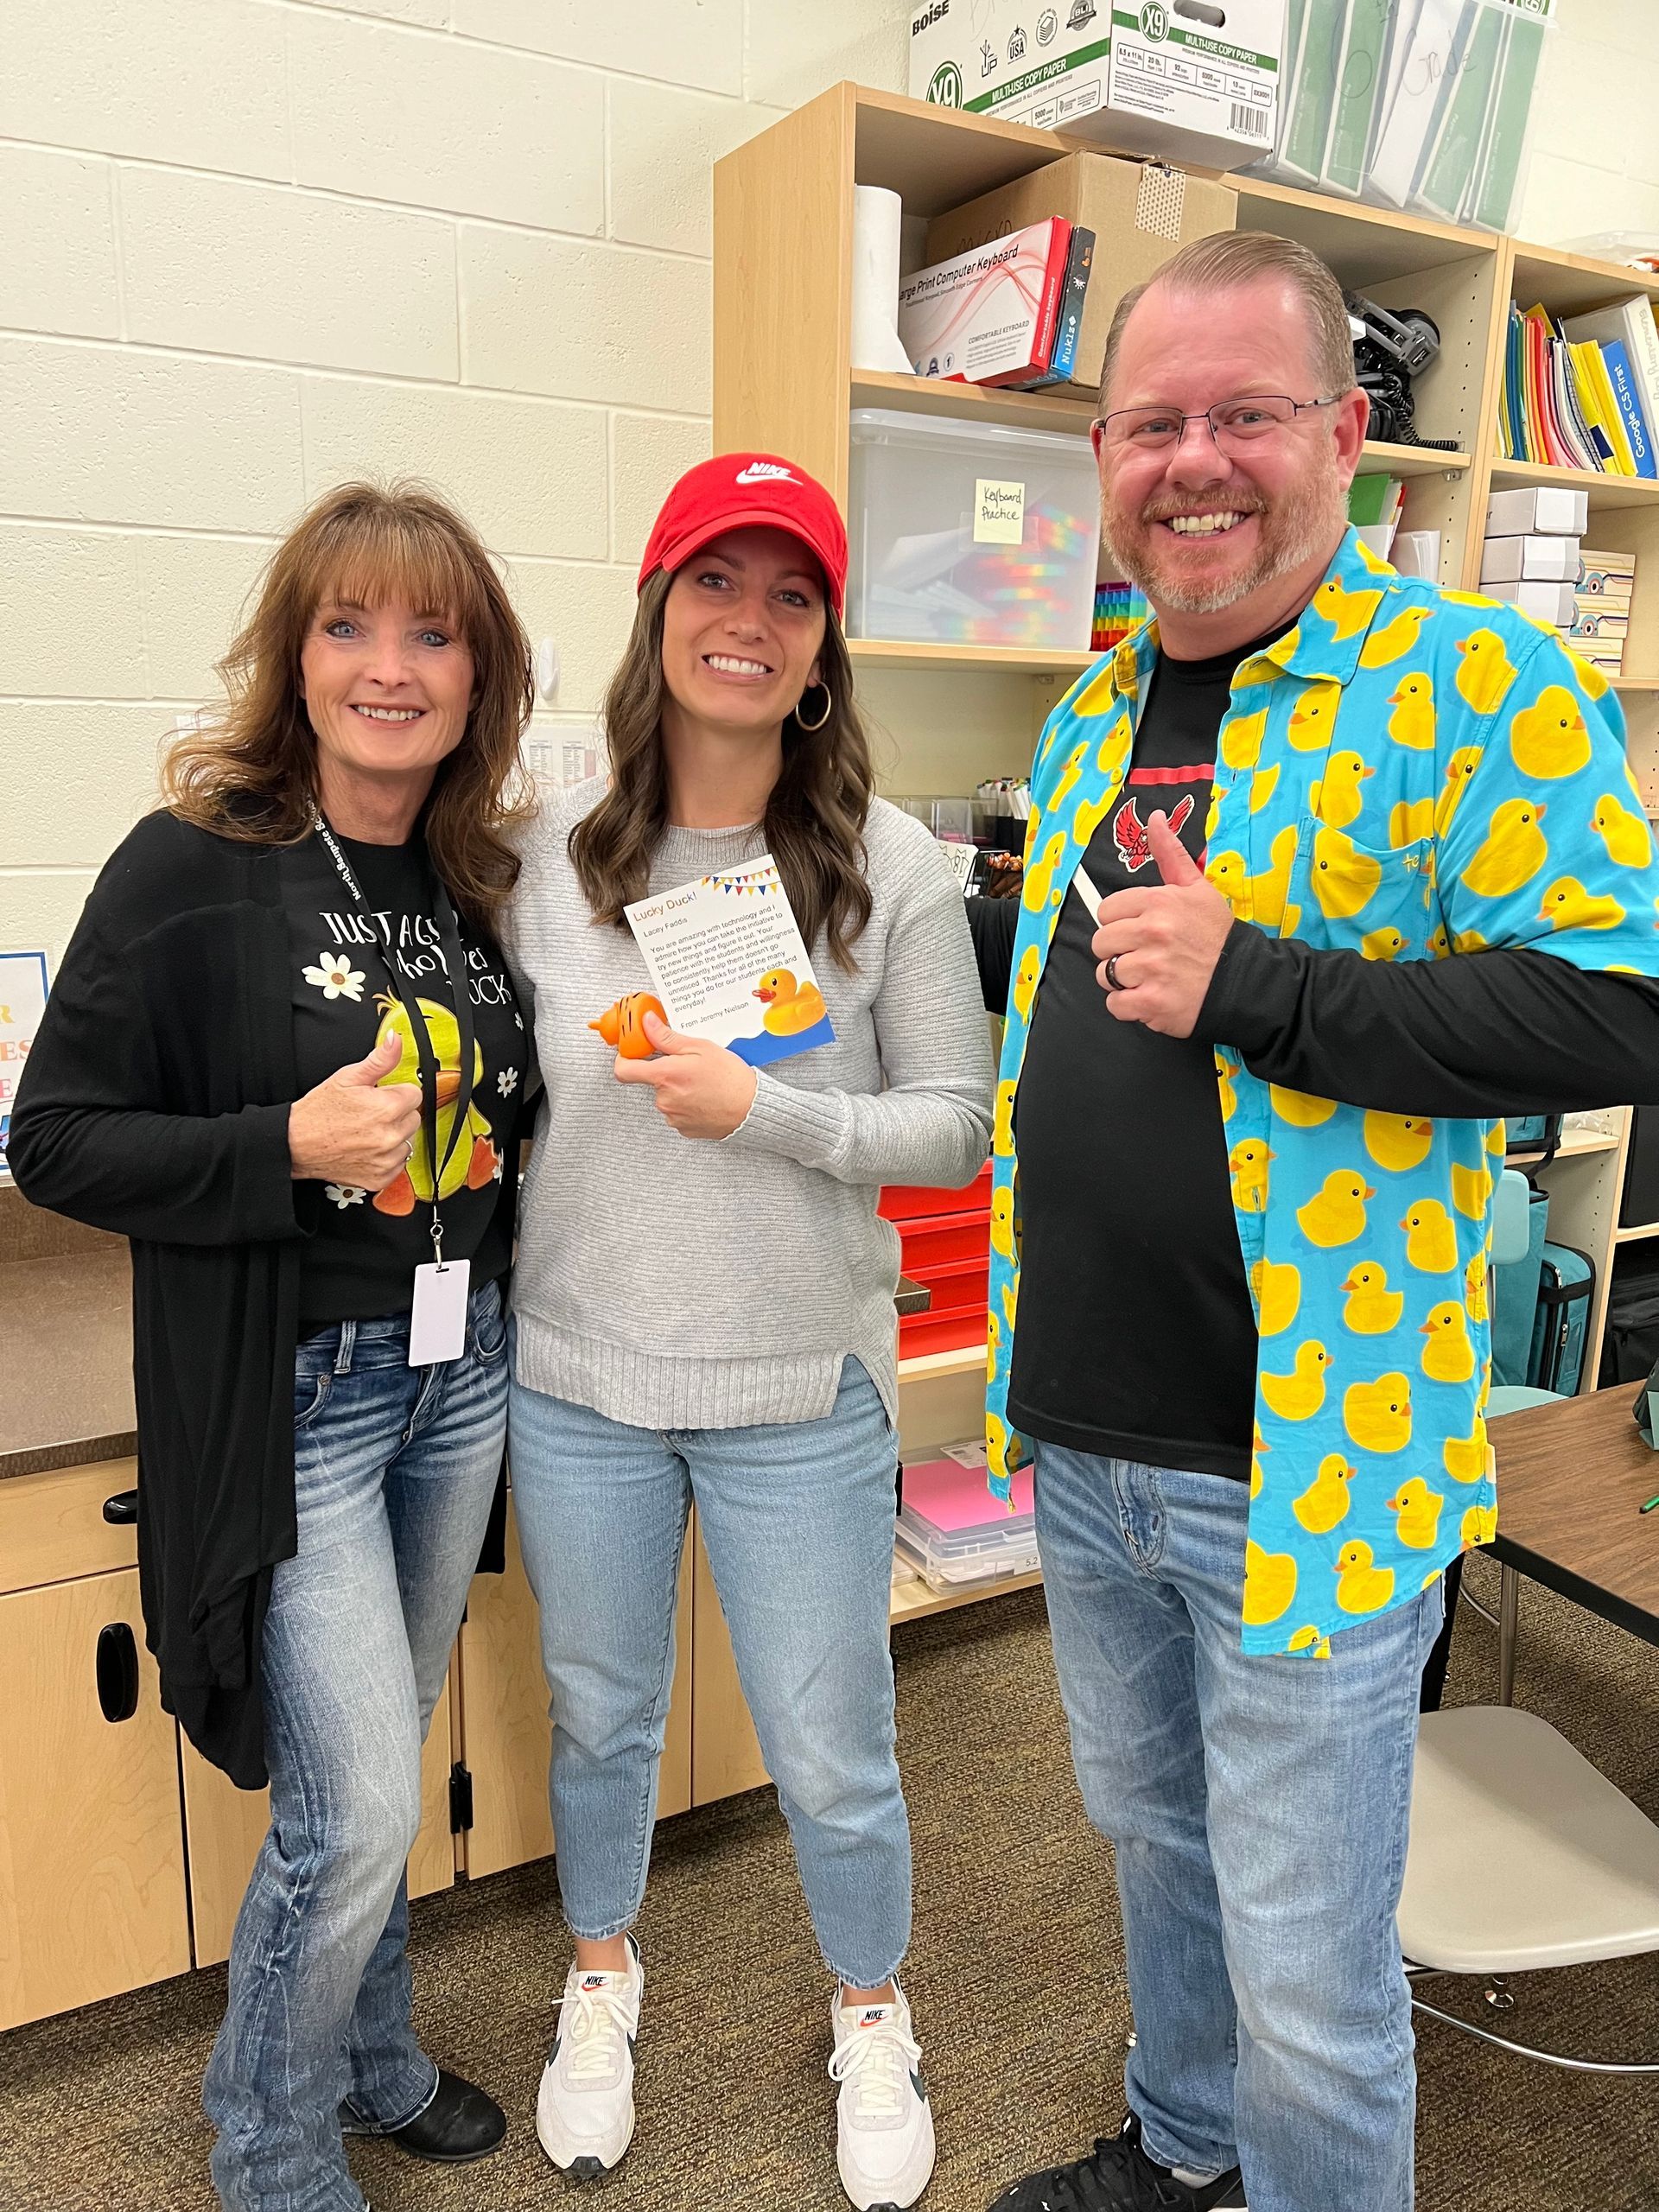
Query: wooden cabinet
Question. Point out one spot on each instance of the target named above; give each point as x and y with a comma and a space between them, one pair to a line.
506, 1735
225, 1827
52, 1526
91, 1846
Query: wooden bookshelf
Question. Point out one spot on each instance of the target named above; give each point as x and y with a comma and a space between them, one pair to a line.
914, 1601
1040, 410
1603, 492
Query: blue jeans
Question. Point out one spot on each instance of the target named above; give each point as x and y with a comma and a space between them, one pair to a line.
395, 1469
798, 1520
1259, 1808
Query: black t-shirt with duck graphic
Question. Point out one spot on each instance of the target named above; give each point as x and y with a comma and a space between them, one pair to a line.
361, 1262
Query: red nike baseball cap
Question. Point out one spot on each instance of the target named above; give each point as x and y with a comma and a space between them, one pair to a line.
749, 491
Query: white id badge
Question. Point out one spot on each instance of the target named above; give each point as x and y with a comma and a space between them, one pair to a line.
437, 1321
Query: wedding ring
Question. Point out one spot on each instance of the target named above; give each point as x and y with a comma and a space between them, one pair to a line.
409, 1153
1114, 981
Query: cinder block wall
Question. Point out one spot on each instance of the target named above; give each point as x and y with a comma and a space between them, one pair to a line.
250, 247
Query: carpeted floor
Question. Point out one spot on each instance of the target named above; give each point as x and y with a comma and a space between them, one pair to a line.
1017, 1978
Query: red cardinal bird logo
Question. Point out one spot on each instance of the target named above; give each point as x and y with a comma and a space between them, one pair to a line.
1134, 846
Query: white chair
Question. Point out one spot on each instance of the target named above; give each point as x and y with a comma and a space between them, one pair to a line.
1523, 1855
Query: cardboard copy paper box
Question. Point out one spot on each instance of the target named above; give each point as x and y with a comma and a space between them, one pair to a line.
1196, 80
1140, 217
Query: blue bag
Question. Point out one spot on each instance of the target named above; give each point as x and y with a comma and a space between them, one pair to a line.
1566, 1293
1515, 1301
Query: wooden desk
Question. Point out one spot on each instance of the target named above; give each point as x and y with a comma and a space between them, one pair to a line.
1572, 1479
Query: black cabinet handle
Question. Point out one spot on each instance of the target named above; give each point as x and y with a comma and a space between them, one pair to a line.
121, 1512
117, 1672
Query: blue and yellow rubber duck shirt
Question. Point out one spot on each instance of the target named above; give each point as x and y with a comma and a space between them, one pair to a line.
1413, 774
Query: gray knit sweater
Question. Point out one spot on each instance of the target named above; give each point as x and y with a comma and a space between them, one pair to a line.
678, 1283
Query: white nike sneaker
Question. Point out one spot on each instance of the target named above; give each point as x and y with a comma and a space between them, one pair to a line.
884, 2124
584, 2107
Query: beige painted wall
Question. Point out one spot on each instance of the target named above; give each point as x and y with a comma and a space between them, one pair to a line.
249, 247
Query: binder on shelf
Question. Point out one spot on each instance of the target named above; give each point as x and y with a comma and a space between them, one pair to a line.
1628, 338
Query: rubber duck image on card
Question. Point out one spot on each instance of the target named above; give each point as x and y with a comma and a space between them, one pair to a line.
727, 958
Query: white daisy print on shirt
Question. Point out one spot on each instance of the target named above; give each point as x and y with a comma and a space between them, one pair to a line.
336, 978
507, 1082
344, 1194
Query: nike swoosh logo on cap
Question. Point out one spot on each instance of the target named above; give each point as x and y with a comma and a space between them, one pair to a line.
764, 472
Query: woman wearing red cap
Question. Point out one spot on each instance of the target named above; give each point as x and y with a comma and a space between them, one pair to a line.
704, 1291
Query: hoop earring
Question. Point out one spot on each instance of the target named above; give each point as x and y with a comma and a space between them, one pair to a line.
829, 708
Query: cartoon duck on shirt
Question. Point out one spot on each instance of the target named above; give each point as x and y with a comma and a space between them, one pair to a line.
472, 1159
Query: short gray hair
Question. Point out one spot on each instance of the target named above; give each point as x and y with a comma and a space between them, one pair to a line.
1226, 258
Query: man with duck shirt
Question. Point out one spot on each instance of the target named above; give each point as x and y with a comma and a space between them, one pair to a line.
1327, 868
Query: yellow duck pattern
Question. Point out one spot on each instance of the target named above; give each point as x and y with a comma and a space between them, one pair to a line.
1490, 806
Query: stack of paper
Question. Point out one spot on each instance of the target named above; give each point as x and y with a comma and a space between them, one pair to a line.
1374, 507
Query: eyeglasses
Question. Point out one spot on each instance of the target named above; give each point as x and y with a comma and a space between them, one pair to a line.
1232, 422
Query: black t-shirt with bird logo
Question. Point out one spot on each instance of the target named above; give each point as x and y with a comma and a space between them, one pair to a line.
361, 1262
1137, 1338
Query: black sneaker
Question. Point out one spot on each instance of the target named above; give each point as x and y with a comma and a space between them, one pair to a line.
1117, 2176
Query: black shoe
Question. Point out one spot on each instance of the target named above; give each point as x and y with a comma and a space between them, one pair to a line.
1117, 2176
461, 2124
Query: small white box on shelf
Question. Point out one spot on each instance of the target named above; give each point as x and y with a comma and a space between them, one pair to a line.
1540, 560
1545, 602
1555, 510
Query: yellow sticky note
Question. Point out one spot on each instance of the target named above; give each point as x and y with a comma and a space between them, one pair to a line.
998, 511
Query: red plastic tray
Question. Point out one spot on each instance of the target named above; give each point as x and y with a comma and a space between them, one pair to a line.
898, 1201
936, 1240
925, 1332
964, 1285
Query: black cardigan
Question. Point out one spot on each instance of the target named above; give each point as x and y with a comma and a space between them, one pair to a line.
154, 1104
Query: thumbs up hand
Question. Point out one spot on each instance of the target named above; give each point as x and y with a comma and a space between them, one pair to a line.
355, 1128
1161, 941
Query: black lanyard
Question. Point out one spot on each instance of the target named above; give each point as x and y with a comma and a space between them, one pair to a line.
426, 1056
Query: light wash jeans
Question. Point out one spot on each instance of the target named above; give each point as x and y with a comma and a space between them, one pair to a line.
1259, 1807
798, 1520
395, 1470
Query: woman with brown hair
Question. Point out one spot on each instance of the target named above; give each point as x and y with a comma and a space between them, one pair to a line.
285, 1057
704, 1294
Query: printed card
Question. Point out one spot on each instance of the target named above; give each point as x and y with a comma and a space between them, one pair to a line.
725, 955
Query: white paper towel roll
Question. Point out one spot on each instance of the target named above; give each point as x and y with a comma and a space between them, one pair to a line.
877, 214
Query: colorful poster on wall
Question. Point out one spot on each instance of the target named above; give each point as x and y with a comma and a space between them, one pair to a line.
23, 1002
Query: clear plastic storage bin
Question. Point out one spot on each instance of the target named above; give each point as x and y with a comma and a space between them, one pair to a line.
970, 533
955, 1530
